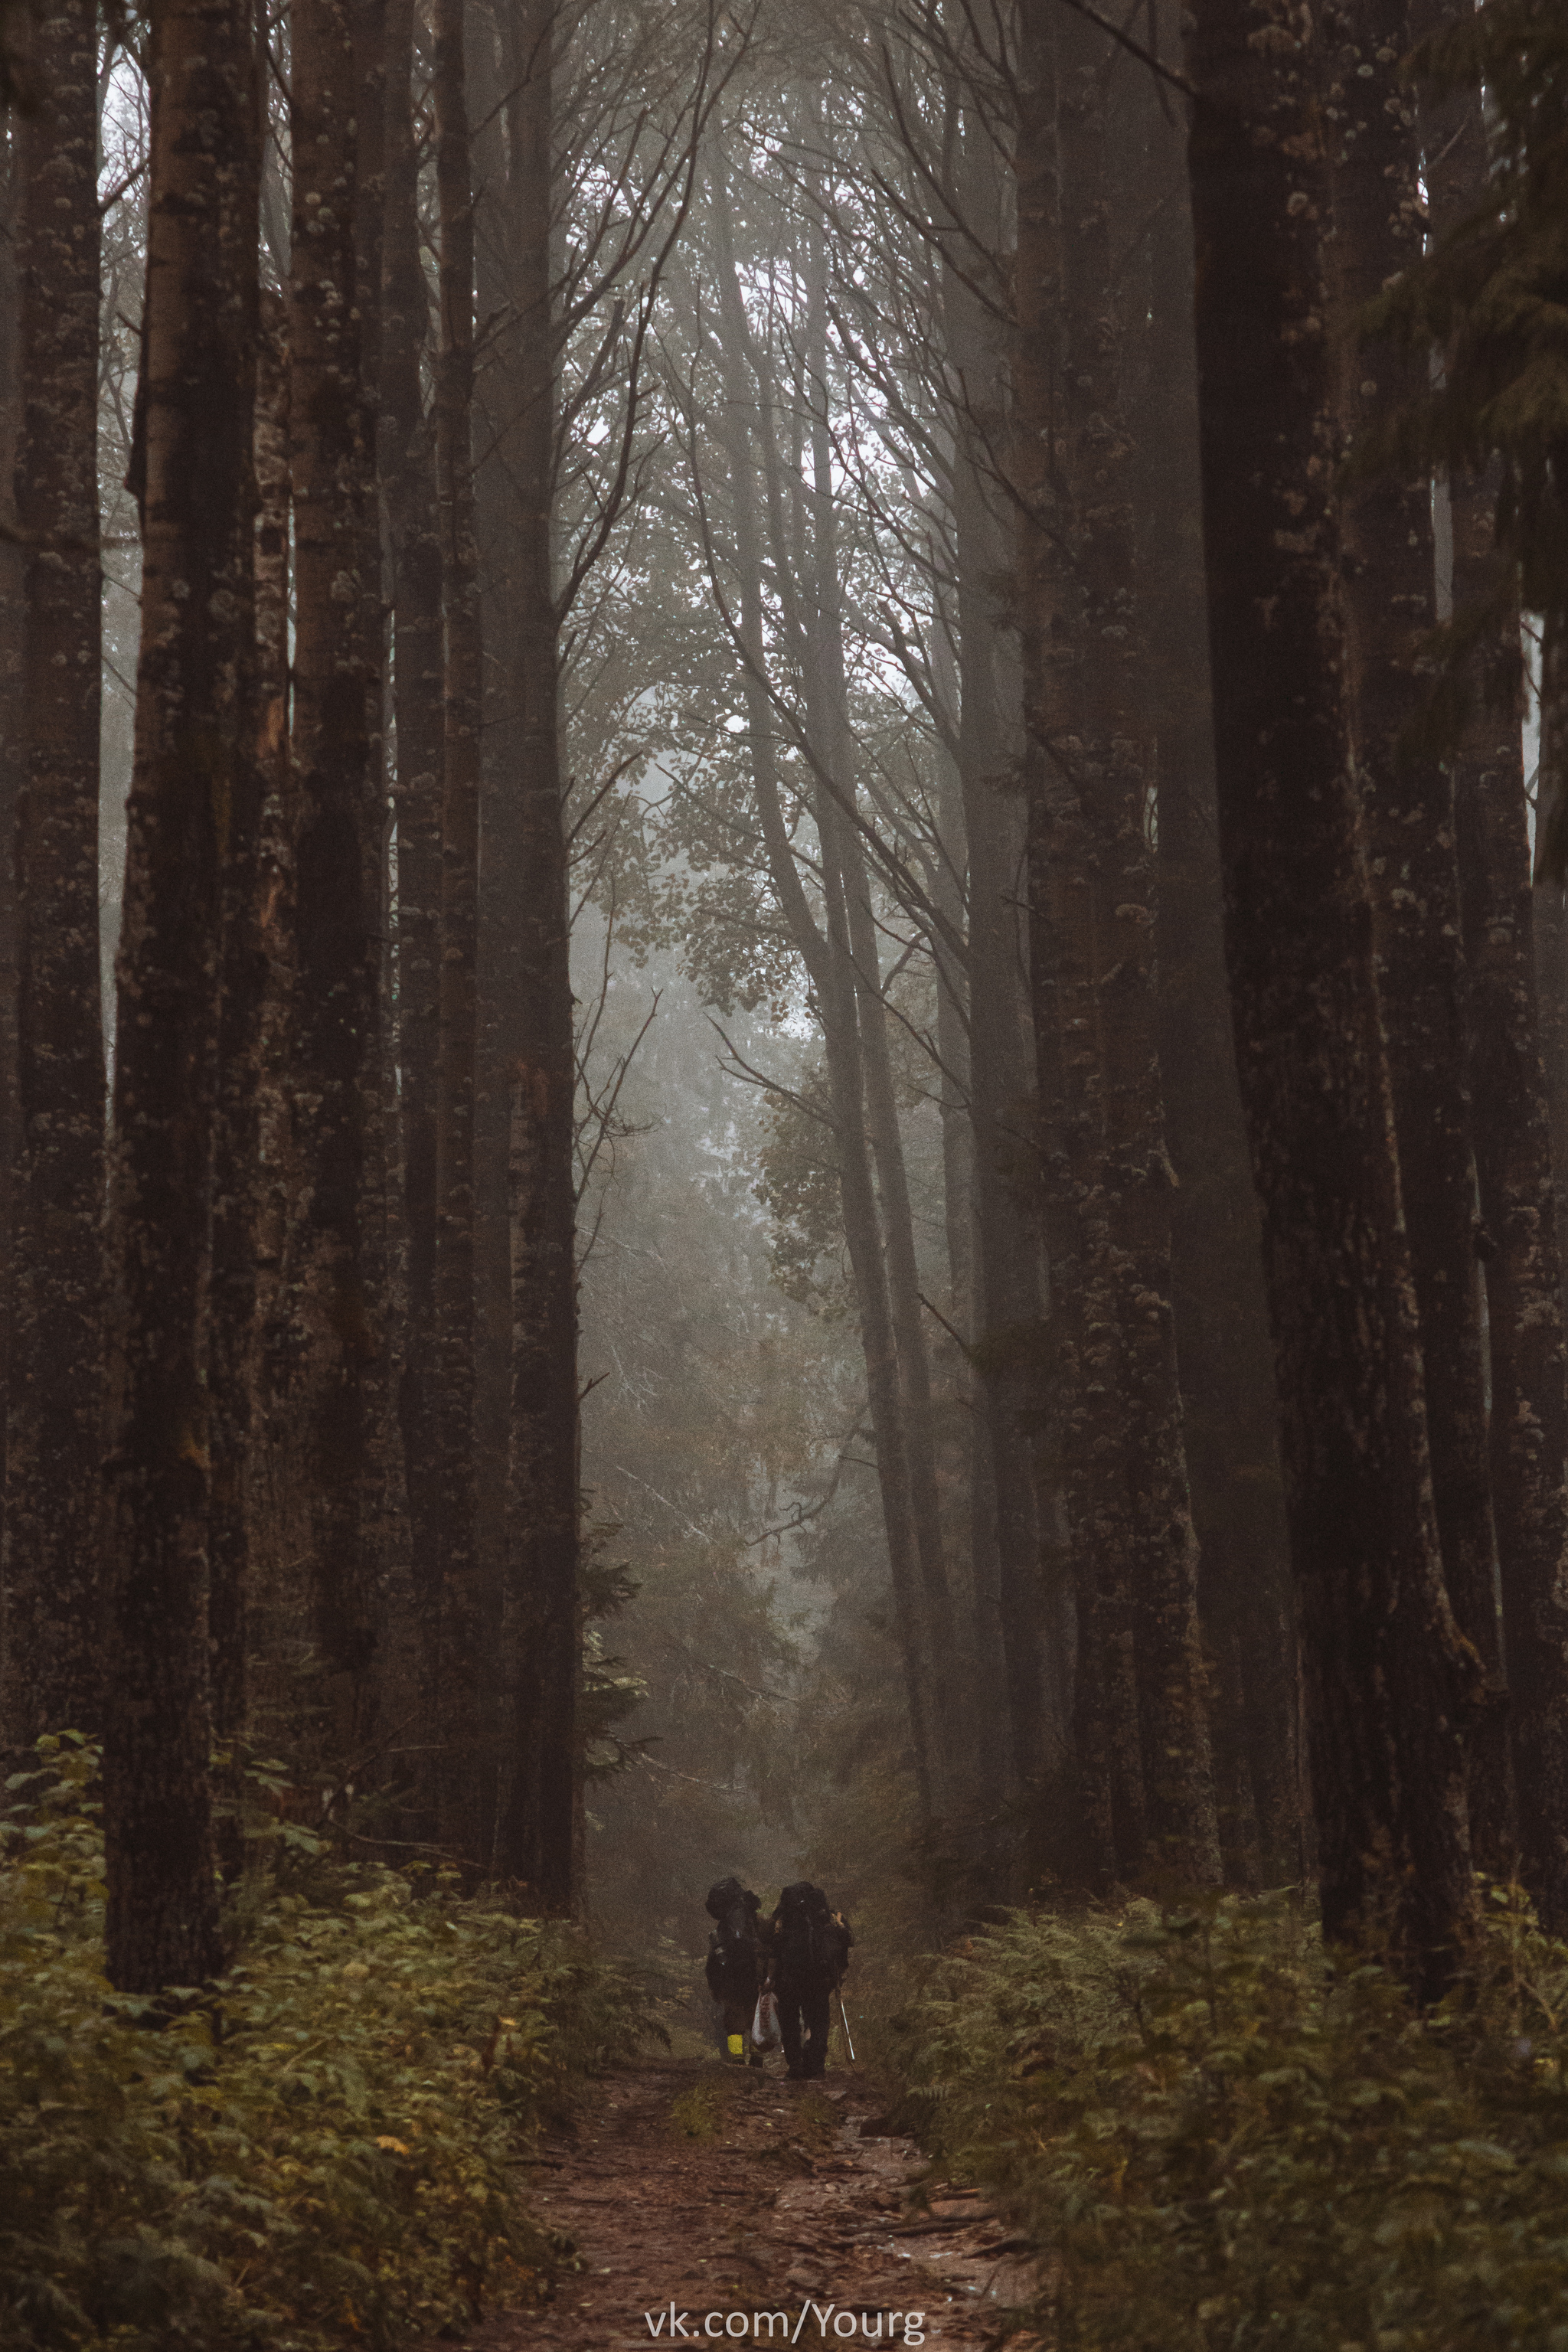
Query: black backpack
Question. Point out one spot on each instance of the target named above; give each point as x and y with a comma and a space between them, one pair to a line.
810, 1944
732, 1947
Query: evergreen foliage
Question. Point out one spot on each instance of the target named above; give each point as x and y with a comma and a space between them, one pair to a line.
1219, 2136
322, 2152
1491, 295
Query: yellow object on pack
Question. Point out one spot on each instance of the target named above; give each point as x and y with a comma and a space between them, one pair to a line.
737, 2046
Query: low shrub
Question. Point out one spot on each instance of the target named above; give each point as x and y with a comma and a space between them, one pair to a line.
1219, 2138
324, 2153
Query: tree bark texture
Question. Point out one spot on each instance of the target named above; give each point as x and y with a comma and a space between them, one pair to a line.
186, 818
1103, 1821
337, 1106
1551, 926
536, 1841
240, 1223
1407, 812
408, 476
490, 67
1231, 1432
53, 1664
1014, 1614
1023, 1633
1388, 1681
1519, 1241
275, 1542
13, 576
469, 1616
1092, 890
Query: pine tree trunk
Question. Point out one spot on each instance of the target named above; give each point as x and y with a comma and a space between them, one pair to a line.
1521, 1251
385, 1536
53, 1673
1407, 812
1386, 1678
1115, 762
536, 1841
948, 891
1091, 895
274, 1543
338, 861
13, 576
469, 1617
408, 475
492, 79
1519, 1241
1551, 926
185, 833
239, 1201
1230, 1428
1021, 1643
1103, 1825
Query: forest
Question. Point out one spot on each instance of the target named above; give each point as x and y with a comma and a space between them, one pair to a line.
783, 1089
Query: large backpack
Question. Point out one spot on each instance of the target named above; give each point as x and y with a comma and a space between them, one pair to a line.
732, 1947
810, 1943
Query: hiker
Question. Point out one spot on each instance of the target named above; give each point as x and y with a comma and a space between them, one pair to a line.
735, 1964
808, 1949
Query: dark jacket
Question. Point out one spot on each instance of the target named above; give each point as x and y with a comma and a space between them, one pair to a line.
808, 1944
736, 1960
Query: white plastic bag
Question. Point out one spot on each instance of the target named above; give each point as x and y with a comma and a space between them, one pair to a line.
765, 2034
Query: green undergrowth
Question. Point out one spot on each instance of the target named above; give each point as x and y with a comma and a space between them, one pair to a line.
1221, 2141
324, 2153
703, 2112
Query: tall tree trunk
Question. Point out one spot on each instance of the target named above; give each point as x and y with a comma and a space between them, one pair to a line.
275, 1545
536, 1840
1012, 1629
408, 475
1529, 1427
1217, 1279
469, 1621
239, 1208
490, 61
1519, 1240
1091, 895
1550, 925
1386, 1676
54, 1669
1105, 1823
1114, 757
338, 858
1408, 814
949, 892
1022, 1634
386, 1537
193, 747
13, 608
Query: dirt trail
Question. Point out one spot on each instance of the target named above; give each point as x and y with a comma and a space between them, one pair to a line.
790, 2199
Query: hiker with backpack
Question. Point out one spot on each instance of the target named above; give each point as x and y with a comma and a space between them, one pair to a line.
735, 1964
808, 1949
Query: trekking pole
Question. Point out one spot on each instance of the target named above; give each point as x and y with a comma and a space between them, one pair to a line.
848, 2037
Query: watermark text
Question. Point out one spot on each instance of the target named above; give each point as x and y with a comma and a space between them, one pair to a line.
850, 2323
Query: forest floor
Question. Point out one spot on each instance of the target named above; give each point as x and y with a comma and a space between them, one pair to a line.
698, 2195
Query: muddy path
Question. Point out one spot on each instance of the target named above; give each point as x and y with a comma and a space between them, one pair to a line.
708, 2204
